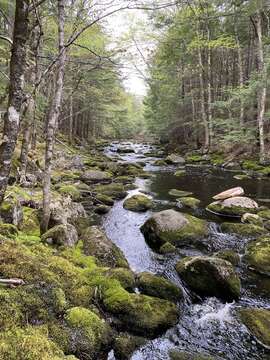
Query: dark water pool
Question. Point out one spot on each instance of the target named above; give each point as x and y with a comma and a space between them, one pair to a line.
208, 326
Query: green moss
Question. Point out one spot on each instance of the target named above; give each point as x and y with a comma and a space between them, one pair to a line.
160, 163
69, 190
157, 286
234, 211
8, 230
78, 258
167, 248
30, 225
217, 160
251, 165
265, 171
183, 355
194, 158
243, 229
189, 202
126, 344
30, 343
180, 173
228, 255
114, 190
124, 179
59, 299
106, 200
258, 323
125, 276
258, 255
138, 203
179, 193
19, 193
265, 214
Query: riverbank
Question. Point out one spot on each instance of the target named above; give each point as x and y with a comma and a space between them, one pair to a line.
82, 292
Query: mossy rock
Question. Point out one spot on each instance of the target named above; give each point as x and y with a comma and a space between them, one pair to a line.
249, 230
96, 243
254, 219
183, 355
167, 248
106, 200
30, 343
91, 334
8, 230
125, 276
210, 276
265, 214
179, 193
194, 158
170, 226
124, 179
11, 212
138, 203
189, 202
258, 323
158, 286
180, 173
228, 255
114, 190
217, 160
64, 234
175, 159
125, 345
69, 190
102, 209
257, 255
227, 208
140, 314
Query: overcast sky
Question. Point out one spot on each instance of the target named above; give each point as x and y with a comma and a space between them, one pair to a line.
134, 67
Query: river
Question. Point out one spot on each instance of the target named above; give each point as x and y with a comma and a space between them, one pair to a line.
208, 325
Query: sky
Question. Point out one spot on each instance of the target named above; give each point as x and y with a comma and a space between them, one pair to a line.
134, 68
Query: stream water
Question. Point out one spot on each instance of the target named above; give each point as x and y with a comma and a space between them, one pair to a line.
206, 326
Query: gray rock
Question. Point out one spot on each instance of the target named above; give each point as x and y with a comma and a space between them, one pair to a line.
95, 176
65, 235
175, 159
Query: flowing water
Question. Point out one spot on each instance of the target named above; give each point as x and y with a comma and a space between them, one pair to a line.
207, 325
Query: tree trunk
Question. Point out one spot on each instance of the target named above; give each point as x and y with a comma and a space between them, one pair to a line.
16, 94
209, 89
53, 114
203, 111
261, 92
70, 130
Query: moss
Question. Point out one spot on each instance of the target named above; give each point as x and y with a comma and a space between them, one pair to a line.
30, 343
69, 190
234, 211
114, 190
243, 229
125, 276
91, 333
63, 234
251, 165
8, 230
210, 276
217, 160
179, 193
180, 173
59, 299
167, 248
125, 344
258, 255
77, 257
189, 202
124, 179
265, 214
140, 313
30, 225
228, 255
160, 163
258, 323
106, 200
157, 286
139, 203
194, 158
265, 171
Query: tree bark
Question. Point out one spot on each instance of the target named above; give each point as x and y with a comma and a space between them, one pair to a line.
261, 92
53, 115
16, 94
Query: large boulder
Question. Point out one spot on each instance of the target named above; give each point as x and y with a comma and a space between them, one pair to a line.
258, 323
141, 314
126, 344
114, 190
158, 286
257, 255
64, 234
139, 203
174, 227
210, 276
236, 206
96, 243
189, 202
237, 191
96, 176
175, 159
